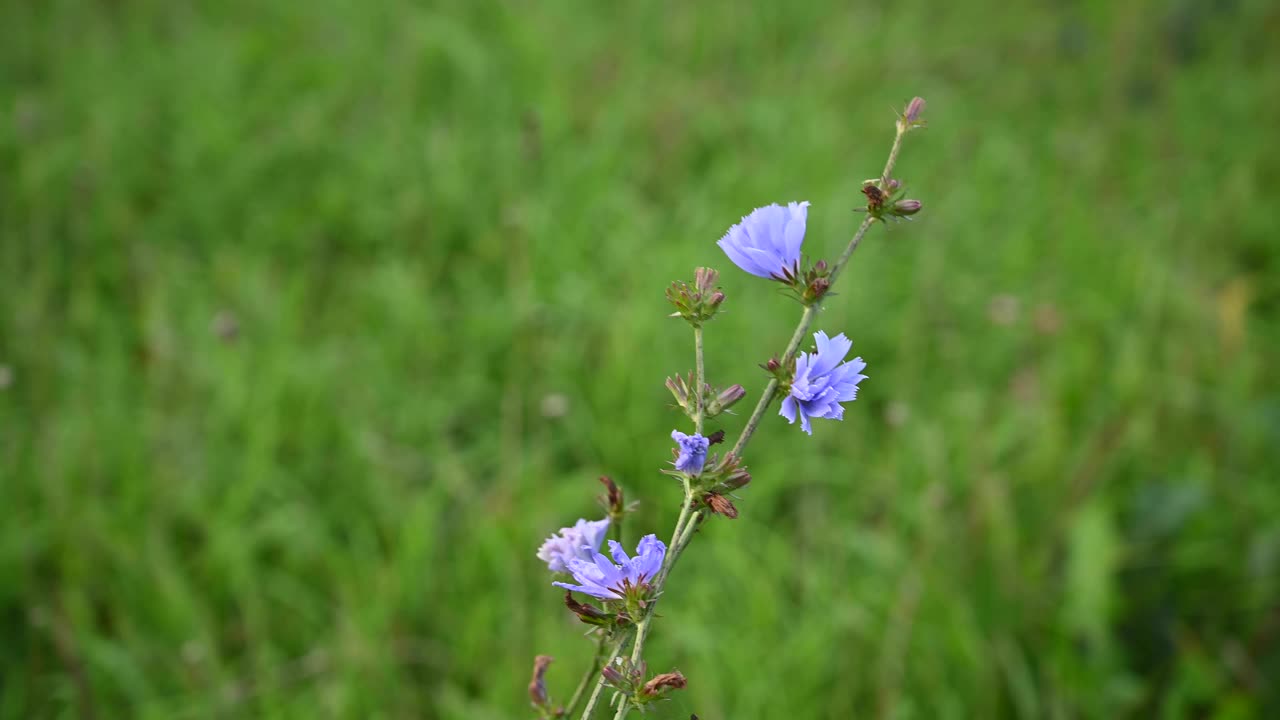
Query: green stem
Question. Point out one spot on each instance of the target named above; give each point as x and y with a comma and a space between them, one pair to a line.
637, 653
699, 379
586, 678
595, 694
615, 526
893, 154
806, 319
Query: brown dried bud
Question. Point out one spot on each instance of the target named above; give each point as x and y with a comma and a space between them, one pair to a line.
538, 686
613, 500
661, 684
817, 289
721, 505
875, 196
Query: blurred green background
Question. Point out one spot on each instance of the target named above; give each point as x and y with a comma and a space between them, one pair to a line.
317, 317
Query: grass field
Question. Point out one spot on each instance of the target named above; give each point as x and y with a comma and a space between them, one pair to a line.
319, 316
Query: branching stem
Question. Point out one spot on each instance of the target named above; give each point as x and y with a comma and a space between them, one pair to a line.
689, 520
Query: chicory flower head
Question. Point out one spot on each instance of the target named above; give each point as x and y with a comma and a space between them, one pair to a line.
767, 242
693, 452
603, 579
580, 541
822, 382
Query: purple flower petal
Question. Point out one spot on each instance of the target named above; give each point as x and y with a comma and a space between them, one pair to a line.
767, 242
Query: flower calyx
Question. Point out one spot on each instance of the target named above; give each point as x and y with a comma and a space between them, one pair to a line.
885, 201
699, 302
629, 679
717, 485
713, 402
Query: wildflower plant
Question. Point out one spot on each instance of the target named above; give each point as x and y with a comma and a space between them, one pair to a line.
618, 592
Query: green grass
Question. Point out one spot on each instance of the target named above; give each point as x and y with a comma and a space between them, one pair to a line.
1057, 496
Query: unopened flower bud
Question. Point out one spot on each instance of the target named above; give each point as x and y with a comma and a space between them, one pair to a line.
820, 267
725, 399
716, 298
538, 685
705, 279
914, 110
905, 208
738, 479
613, 675
773, 365
587, 613
659, 685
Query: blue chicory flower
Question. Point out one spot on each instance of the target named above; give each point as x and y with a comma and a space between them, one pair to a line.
767, 242
693, 452
603, 579
822, 381
580, 541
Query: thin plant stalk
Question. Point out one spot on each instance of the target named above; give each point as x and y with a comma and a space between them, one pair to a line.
599, 688
586, 677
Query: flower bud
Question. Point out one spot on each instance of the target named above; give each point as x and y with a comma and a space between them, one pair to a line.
820, 267
613, 675
696, 303
587, 613
538, 685
737, 479
705, 279
906, 208
816, 290
915, 108
773, 365
725, 400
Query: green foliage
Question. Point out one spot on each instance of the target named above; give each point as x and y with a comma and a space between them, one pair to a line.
319, 316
